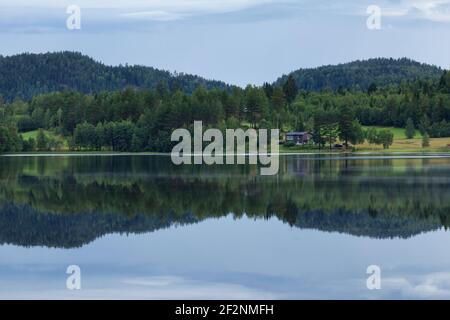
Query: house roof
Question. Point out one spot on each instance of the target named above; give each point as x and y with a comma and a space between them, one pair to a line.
296, 133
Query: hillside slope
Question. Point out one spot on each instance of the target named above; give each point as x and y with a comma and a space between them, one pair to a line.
359, 75
26, 75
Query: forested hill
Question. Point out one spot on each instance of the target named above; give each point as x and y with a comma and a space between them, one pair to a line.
26, 75
360, 75
22, 225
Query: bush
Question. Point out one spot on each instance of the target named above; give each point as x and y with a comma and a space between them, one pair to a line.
41, 141
383, 137
410, 130
289, 144
425, 140
28, 145
9, 139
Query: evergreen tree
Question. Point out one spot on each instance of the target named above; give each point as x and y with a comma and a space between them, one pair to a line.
424, 124
257, 104
425, 140
41, 140
278, 103
9, 139
136, 143
345, 124
268, 89
410, 130
331, 132
290, 89
444, 83
372, 88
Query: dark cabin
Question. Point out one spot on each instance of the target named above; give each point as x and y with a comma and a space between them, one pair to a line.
298, 137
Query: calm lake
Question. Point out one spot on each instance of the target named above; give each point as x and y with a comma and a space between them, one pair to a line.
140, 227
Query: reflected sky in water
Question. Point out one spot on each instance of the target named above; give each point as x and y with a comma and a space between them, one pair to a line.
311, 246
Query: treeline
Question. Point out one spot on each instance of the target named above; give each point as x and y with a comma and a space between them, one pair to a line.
425, 103
142, 120
117, 136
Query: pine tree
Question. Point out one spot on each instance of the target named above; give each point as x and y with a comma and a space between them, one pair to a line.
410, 130
290, 89
41, 141
136, 143
372, 88
278, 103
425, 140
345, 124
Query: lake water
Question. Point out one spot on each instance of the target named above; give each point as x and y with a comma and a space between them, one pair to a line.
140, 227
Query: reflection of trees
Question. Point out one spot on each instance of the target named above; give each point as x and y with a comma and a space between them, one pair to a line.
24, 226
81, 198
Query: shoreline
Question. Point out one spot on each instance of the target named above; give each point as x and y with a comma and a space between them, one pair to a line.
337, 154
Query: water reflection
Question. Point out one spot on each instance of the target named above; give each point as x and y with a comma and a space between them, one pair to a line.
68, 202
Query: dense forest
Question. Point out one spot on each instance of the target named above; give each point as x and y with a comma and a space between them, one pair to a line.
360, 75
27, 75
136, 119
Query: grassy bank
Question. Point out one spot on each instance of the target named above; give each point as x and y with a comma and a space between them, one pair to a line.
399, 133
410, 145
49, 135
400, 144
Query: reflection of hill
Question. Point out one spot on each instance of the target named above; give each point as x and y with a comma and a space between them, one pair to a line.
362, 224
24, 226
70, 201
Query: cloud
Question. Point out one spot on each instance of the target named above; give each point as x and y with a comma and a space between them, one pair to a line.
170, 287
168, 10
149, 7
157, 287
432, 10
132, 10
430, 286
45, 15
157, 15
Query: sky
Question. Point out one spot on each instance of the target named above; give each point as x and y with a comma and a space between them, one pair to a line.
231, 258
238, 41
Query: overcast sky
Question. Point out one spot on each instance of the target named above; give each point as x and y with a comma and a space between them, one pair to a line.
238, 41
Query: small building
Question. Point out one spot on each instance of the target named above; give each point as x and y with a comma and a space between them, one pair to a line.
298, 137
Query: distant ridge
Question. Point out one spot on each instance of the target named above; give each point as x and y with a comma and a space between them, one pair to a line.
360, 74
22, 225
26, 75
